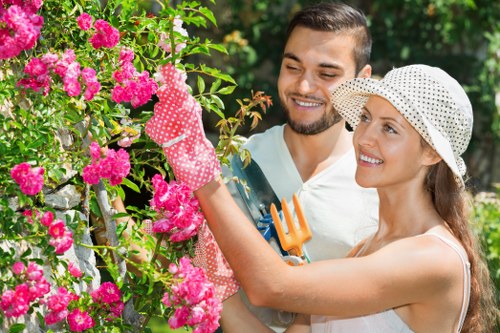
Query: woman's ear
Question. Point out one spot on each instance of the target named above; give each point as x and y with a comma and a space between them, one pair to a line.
430, 156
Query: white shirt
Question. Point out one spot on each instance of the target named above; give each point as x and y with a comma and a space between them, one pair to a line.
340, 212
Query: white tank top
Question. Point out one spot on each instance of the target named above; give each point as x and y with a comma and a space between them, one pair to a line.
388, 321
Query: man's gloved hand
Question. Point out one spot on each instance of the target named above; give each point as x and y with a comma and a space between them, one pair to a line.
209, 256
177, 127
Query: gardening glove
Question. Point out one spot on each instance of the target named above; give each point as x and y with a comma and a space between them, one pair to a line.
208, 256
177, 127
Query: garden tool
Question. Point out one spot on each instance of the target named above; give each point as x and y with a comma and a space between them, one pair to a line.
296, 237
257, 195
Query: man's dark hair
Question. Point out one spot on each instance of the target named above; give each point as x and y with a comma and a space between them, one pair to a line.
339, 18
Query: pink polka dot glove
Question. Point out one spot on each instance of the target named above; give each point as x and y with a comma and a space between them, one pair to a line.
177, 127
208, 256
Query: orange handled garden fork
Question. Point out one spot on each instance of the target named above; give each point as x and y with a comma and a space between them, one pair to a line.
292, 241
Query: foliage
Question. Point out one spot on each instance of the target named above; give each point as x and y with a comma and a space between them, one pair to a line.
486, 217
67, 105
460, 36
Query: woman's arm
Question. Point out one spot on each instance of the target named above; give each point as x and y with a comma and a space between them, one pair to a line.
405, 271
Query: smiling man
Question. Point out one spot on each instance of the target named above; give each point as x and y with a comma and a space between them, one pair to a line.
312, 154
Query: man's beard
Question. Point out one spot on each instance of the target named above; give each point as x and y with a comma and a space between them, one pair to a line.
327, 120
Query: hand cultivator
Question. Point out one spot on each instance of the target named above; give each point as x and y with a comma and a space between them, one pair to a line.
296, 237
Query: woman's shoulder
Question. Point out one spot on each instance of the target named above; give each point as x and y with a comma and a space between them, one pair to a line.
434, 255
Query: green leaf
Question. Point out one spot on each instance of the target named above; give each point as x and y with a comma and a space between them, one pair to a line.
17, 328
121, 227
26, 253
227, 90
216, 99
119, 215
94, 207
201, 85
217, 111
215, 86
209, 15
218, 47
131, 185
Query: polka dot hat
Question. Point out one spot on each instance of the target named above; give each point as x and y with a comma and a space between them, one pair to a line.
432, 101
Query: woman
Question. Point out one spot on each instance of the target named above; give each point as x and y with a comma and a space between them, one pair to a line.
420, 272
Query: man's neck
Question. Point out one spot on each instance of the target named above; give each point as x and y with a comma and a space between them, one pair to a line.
314, 153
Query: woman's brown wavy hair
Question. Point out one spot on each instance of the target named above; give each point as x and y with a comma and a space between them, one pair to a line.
453, 205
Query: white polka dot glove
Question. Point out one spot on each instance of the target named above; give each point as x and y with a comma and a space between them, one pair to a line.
208, 255
177, 127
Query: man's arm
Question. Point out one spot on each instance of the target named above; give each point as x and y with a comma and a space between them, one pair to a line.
236, 318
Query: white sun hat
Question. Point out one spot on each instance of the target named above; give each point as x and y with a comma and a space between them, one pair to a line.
433, 102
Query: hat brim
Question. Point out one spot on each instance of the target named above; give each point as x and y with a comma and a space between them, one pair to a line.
349, 98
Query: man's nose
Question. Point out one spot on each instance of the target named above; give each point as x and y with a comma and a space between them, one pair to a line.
306, 84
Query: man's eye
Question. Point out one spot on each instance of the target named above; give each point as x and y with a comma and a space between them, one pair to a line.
328, 75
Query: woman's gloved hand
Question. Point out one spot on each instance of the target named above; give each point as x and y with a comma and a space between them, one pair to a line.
177, 127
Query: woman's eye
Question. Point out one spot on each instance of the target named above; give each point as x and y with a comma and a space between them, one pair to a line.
390, 129
364, 117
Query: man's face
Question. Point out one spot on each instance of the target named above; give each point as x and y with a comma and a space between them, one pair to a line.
314, 63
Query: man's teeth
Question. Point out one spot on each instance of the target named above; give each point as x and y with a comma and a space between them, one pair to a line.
307, 104
370, 159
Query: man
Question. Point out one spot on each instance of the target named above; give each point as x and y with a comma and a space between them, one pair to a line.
312, 154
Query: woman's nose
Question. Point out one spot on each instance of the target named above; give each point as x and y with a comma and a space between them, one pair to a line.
365, 134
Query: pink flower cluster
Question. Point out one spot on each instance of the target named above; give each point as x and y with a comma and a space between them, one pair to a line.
57, 305
193, 299
115, 165
179, 209
16, 302
62, 238
29, 179
80, 321
39, 71
104, 36
134, 87
84, 21
108, 297
165, 42
19, 26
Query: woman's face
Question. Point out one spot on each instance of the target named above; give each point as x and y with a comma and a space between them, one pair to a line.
388, 149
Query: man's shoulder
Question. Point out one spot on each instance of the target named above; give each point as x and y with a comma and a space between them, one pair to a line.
268, 137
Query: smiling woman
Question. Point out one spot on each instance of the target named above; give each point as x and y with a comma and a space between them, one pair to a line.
389, 148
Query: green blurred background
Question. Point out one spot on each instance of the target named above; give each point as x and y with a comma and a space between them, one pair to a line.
460, 36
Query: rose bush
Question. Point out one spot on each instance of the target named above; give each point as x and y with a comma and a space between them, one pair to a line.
77, 84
